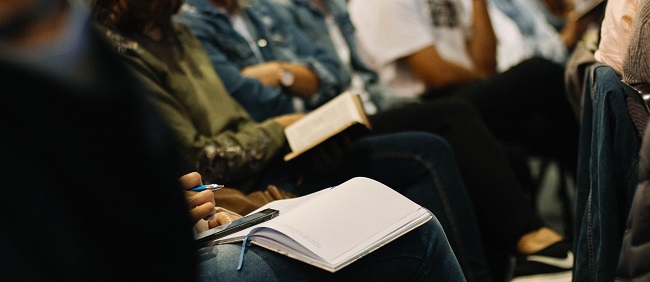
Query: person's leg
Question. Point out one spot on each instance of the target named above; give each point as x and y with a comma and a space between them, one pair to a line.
527, 105
420, 166
496, 195
503, 213
420, 255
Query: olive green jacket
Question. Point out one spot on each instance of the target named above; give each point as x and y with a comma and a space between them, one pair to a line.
217, 135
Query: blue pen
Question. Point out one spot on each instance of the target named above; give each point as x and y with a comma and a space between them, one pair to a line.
211, 187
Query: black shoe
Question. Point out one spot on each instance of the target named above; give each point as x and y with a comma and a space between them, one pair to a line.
554, 263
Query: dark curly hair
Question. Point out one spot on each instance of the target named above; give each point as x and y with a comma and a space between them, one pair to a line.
134, 16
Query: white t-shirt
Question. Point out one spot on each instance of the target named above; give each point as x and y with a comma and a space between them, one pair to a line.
388, 30
511, 44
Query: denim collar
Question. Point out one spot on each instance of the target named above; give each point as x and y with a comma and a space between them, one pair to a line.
334, 7
309, 5
306, 3
205, 6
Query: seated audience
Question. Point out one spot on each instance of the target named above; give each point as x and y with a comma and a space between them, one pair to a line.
217, 133
448, 49
507, 220
98, 218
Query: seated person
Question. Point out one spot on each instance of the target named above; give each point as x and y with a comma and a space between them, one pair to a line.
481, 161
267, 66
228, 147
522, 31
533, 33
422, 254
448, 49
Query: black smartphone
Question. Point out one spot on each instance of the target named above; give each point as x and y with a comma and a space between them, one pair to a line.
237, 225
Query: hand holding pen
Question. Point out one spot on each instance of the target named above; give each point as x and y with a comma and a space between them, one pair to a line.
202, 204
199, 200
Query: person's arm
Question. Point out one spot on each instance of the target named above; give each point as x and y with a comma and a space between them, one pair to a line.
305, 82
482, 46
322, 61
313, 27
260, 101
307, 54
240, 150
437, 72
263, 98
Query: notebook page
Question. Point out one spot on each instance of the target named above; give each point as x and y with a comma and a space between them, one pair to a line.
409, 223
344, 217
283, 206
269, 238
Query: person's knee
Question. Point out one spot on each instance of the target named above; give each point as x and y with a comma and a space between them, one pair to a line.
432, 230
416, 139
427, 145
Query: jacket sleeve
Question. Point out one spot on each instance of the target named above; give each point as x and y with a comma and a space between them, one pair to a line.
333, 79
261, 101
239, 151
323, 62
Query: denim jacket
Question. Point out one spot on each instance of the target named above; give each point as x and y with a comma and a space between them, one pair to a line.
540, 37
277, 39
312, 23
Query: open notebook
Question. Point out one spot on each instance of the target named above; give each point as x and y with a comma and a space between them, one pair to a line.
336, 226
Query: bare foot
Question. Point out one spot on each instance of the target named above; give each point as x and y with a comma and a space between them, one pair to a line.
537, 240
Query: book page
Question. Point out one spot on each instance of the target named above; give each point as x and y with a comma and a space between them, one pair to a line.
345, 217
324, 122
283, 206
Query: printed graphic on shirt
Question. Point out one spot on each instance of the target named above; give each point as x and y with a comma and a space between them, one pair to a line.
443, 13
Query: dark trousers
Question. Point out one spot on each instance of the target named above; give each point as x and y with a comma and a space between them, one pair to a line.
418, 165
503, 212
523, 106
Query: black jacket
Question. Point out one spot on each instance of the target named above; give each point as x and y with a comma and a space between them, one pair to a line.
634, 261
88, 179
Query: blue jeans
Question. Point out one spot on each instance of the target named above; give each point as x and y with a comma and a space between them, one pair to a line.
420, 255
420, 166
607, 175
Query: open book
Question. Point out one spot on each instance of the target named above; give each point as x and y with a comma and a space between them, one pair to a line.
334, 227
343, 112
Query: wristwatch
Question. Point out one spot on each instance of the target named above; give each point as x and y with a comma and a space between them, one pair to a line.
286, 78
